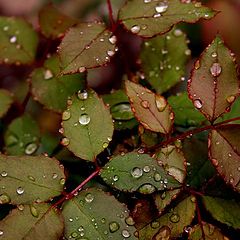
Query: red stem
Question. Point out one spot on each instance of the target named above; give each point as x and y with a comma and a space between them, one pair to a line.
110, 12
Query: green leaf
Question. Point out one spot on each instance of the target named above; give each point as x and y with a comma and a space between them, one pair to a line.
38, 221
87, 125
172, 223
26, 179
224, 152
22, 136
53, 90
94, 214
185, 113
210, 232
225, 211
164, 64
53, 23
86, 45
214, 83
150, 18
18, 41
148, 138
5, 101
137, 172
152, 110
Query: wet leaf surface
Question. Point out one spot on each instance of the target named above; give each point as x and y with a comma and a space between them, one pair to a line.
5, 101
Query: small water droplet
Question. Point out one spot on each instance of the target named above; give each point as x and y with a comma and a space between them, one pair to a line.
48, 74
145, 104
4, 174
82, 94
34, 211
216, 69
110, 53
147, 1
65, 141
89, 198
215, 162
137, 172
62, 181
54, 176
231, 99
197, 65
13, 39
84, 119
113, 39
157, 177
214, 54
31, 178
4, 198
146, 169
20, 190
197, 103
126, 233
188, 52
161, 7
31, 148
147, 189
115, 178
135, 29
178, 32
161, 103
66, 115
20, 207
1, 233
74, 234
129, 221
174, 218
113, 227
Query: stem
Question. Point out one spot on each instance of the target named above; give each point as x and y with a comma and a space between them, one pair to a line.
110, 12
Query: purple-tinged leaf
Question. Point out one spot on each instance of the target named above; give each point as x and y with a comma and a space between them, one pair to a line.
214, 83
151, 110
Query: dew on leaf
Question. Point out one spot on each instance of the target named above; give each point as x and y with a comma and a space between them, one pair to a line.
187, 52
160, 103
20, 190
113, 39
82, 94
13, 39
214, 54
129, 221
105, 145
65, 141
215, 162
177, 32
20, 207
4, 198
11, 140
145, 104
66, 115
110, 53
5, 28
74, 234
216, 69
30, 148
197, 103
231, 99
155, 224
164, 233
113, 227
115, 178
146, 169
4, 174
135, 29
34, 211
126, 233
89, 198
161, 7
197, 65
84, 119
54, 176
137, 172
48, 74
157, 177
62, 181
147, 1
147, 188
1, 233
174, 218
31, 178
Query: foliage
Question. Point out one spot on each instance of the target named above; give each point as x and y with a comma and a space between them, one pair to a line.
137, 162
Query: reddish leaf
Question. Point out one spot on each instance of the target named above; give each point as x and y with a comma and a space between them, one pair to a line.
151, 109
224, 152
214, 84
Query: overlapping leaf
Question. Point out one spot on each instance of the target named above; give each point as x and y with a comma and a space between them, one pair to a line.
214, 83
163, 63
22, 136
172, 223
27, 179
5, 101
87, 45
154, 17
38, 221
148, 138
150, 109
185, 113
224, 152
53, 90
18, 41
225, 211
94, 214
53, 23
87, 125
137, 172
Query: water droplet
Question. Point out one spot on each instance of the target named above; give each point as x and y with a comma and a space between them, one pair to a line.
84, 119
13, 39
65, 141
216, 69
197, 65
48, 74
62, 181
164, 233
31, 178
135, 29
5, 28
157, 177
113, 227
129, 221
177, 32
89, 198
174, 218
145, 104
161, 7
115, 178
31, 148
126, 233
137, 172
231, 99
1, 232
188, 52
155, 224
4, 198
215, 162
229, 154
110, 53
54, 176
20, 190
4, 174
113, 39
147, 1
161, 103
20, 207
74, 234
147, 189
34, 211
66, 115
146, 169
197, 103
82, 94
214, 54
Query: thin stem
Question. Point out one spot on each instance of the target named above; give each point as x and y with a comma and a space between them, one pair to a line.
110, 12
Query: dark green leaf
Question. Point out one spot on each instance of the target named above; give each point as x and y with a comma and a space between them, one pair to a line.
26, 179
87, 45
5, 101
214, 83
22, 136
225, 211
163, 63
87, 125
148, 138
185, 113
18, 41
94, 214
38, 221
150, 109
137, 172
150, 18
53, 90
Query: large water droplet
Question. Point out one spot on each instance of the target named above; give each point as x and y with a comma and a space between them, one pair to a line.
197, 103
174, 218
147, 189
82, 94
135, 29
20, 190
126, 233
137, 172
89, 198
84, 119
216, 69
113, 227
31, 148
161, 103
48, 74
34, 211
4, 198
161, 7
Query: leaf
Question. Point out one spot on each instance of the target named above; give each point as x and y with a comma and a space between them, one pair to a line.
94, 214
171, 224
87, 125
53, 23
22, 136
185, 113
210, 232
163, 63
87, 45
150, 109
224, 152
26, 179
6, 101
136, 172
53, 90
214, 83
18, 41
148, 138
150, 18
38, 221
173, 161
225, 211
